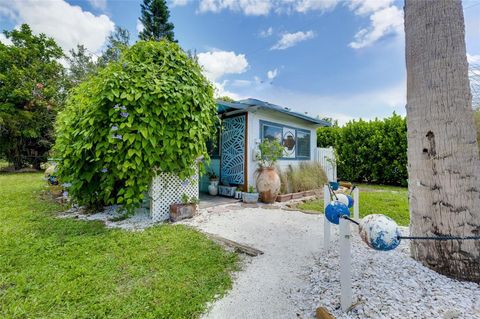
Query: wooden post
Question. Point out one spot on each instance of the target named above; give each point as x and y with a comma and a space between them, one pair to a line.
345, 265
356, 198
326, 223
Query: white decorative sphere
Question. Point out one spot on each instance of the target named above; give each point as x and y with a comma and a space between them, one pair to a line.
342, 198
379, 232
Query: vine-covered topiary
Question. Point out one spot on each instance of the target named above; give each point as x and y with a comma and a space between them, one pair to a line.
152, 110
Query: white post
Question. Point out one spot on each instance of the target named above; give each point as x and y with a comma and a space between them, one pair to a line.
356, 210
326, 223
345, 265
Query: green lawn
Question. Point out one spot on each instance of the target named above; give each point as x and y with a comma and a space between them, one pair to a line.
376, 199
64, 268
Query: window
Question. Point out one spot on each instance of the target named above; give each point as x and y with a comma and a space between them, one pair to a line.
272, 132
303, 144
296, 141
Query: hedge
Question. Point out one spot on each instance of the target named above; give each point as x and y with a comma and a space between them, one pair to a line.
373, 151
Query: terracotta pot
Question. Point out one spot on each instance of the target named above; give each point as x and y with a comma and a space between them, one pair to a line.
182, 211
268, 184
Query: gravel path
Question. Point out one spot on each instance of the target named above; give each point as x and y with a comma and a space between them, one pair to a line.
295, 275
290, 241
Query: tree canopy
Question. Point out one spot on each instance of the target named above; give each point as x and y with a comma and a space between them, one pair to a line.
81, 64
151, 110
32, 85
155, 15
117, 41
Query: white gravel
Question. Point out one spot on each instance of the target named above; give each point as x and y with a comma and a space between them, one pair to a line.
295, 275
386, 285
289, 240
110, 215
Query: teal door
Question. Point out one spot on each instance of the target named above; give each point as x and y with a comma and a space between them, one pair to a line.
232, 161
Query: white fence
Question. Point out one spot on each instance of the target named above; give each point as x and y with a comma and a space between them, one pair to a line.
326, 158
167, 189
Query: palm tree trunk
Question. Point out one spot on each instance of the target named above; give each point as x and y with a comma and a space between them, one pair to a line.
443, 160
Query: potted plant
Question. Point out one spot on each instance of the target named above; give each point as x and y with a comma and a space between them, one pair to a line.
238, 193
250, 197
268, 181
186, 209
226, 189
213, 187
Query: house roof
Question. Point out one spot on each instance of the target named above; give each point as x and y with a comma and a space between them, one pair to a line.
248, 104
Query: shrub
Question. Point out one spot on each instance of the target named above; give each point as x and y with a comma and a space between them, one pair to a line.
306, 176
374, 151
328, 136
31, 92
151, 110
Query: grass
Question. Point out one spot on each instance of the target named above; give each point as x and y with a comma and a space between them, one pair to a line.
64, 268
4, 164
376, 199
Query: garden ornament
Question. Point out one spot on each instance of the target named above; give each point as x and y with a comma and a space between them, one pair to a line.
335, 210
346, 199
334, 185
379, 232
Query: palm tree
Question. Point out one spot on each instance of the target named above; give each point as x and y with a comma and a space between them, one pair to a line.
443, 159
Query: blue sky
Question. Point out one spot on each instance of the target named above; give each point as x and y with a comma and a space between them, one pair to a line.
340, 59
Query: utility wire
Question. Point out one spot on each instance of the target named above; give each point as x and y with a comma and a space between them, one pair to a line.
471, 6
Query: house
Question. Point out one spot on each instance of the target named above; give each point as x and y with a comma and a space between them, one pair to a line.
245, 124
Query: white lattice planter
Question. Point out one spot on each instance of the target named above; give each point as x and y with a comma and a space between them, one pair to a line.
167, 189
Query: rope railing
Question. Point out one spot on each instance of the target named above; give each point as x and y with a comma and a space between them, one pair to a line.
378, 231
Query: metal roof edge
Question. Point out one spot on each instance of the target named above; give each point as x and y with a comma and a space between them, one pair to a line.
251, 102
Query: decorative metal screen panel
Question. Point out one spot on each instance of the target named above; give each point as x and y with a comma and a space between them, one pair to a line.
167, 189
233, 150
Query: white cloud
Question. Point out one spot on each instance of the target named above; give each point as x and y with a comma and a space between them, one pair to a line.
98, 4
384, 20
365, 7
139, 26
7, 12
264, 7
473, 59
4, 39
248, 7
272, 74
69, 25
385, 17
266, 33
311, 5
289, 40
218, 63
221, 91
178, 3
